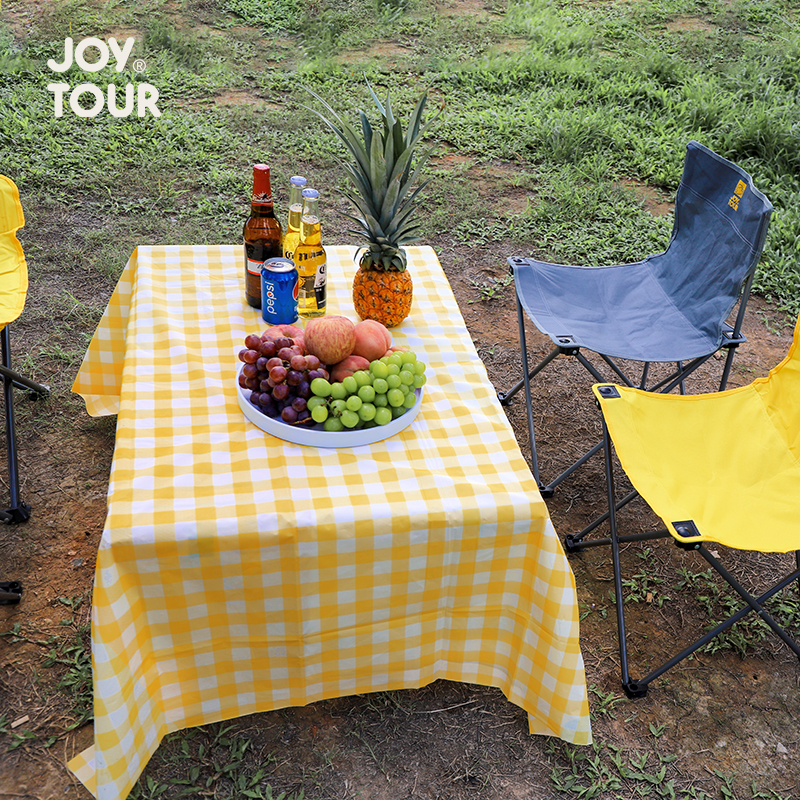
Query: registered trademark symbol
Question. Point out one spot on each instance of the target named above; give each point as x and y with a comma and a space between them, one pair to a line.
139, 65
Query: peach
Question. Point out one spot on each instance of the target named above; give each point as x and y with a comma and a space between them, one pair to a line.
372, 339
347, 367
398, 348
330, 339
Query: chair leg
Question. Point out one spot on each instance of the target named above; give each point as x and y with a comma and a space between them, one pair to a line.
10, 592
797, 563
632, 688
526, 380
505, 398
617, 371
645, 373
638, 688
734, 335
723, 626
726, 370
573, 542
17, 511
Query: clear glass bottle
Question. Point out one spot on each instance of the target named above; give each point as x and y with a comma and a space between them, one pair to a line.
292, 236
310, 260
262, 234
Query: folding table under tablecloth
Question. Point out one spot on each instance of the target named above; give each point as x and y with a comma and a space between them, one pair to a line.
239, 573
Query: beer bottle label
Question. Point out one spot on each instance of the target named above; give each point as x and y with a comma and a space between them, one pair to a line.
320, 285
254, 267
321, 276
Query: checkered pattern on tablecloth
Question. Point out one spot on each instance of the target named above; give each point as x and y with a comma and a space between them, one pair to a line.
241, 573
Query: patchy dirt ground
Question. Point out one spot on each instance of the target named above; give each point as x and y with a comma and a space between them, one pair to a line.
716, 712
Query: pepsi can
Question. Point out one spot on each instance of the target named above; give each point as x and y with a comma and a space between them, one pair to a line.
279, 290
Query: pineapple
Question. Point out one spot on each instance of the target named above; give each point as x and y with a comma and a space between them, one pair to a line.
382, 174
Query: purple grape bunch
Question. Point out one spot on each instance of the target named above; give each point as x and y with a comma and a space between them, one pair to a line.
279, 376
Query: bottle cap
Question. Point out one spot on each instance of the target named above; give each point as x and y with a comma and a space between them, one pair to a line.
311, 194
262, 190
298, 180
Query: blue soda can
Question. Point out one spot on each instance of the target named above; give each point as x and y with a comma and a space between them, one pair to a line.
279, 289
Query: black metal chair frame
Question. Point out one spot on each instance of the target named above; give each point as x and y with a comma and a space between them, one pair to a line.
18, 511
733, 338
638, 687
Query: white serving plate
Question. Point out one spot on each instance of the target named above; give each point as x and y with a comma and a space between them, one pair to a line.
316, 435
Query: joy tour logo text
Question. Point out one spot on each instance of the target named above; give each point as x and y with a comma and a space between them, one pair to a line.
146, 95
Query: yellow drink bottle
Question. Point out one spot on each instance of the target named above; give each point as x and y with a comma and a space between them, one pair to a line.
292, 236
310, 260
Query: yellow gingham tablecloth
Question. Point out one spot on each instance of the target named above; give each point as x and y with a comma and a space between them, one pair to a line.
240, 573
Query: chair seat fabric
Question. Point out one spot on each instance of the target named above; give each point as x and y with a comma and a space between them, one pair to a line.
728, 461
671, 306
13, 268
620, 311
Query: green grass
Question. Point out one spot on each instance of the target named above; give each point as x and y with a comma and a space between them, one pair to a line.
589, 96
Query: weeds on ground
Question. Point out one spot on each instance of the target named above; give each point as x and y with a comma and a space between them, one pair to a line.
68, 654
491, 289
718, 602
605, 771
587, 101
712, 598
212, 761
644, 586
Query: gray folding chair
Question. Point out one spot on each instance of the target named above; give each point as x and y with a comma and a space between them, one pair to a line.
671, 307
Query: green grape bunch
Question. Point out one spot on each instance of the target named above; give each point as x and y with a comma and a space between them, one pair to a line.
368, 397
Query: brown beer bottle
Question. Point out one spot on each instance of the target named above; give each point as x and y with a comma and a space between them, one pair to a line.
262, 234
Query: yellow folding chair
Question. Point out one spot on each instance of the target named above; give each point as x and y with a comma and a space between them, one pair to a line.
721, 467
13, 289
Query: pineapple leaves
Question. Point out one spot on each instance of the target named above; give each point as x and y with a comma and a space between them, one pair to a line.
389, 118
378, 103
383, 175
344, 131
398, 140
377, 171
366, 130
388, 157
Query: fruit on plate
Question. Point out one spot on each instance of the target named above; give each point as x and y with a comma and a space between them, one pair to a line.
347, 367
330, 339
285, 331
278, 331
372, 340
299, 389
369, 397
279, 376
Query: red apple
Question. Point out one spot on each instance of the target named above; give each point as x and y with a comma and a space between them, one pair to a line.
282, 331
330, 339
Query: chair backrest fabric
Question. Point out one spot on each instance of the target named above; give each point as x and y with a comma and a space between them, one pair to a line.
13, 268
720, 227
780, 393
